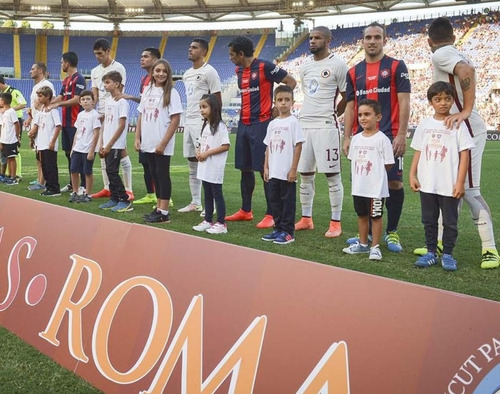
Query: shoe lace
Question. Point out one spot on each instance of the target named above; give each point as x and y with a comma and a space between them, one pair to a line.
392, 237
488, 256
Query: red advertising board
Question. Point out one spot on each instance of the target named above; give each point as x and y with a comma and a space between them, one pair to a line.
132, 309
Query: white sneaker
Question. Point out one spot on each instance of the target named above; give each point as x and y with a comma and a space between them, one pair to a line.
203, 226
191, 208
375, 253
66, 188
217, 228
202, 214
81, 191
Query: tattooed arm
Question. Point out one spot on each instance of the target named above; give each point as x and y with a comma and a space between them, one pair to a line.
467, 78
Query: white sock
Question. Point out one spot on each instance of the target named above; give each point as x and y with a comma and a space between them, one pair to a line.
163, 211
105, 179
307, 194
127, 173
194, 183
481, 216
336, 193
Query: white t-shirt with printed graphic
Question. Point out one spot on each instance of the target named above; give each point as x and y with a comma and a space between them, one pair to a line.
212, 169
440, 149
8, 130
96, 77
113, 111
47, 123
86, 123
369, 156
155, 118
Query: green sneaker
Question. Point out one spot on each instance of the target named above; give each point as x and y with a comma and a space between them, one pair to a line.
490, 259
149, 198
422, 251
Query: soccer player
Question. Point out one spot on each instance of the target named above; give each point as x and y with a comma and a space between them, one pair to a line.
323, 77
450, 65
256, 80
148, 57
199, 80
102, 50
38, 73
386, 80
69, 100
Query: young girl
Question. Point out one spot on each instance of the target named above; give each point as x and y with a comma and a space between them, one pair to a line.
212, 155
159, 117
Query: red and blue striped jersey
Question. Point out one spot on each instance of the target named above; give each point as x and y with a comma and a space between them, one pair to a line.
72, 86
145, 81
256, 85
381, 81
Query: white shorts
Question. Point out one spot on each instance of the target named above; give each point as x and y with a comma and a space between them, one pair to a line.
473, 179
321, 151
192, 132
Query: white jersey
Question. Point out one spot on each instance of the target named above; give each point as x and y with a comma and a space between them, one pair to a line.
155, 118
440, 149
86, 123
47, 123
444, 60
7, 127
281, 138
197, 82
113, 112
96, 77
368, 156
34, 97
212, 169
322, 81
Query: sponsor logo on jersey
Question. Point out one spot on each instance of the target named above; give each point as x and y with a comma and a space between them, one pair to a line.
363, 92
249, 90
198, 77
385, 73
405, 75
276, 69
325, 73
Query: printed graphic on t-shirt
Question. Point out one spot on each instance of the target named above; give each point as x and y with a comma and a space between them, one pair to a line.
363, 164
435, 150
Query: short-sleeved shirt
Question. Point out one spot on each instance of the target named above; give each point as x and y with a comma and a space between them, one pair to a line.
96, 77
368, 156
17, 99
86, 123
113, 112
155, 118
47, 123
322, 82
256, 84
72, 86
444, 60
8, 128
380, 81
440, 149
281, 138
212, 169
34, 97
197, 82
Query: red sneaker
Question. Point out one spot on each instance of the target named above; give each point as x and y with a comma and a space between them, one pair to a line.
334, 230
130, 196
104, 193
267, 222
304, 224
240, 216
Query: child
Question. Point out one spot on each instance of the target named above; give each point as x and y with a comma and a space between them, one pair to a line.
212, 155
84, 146
9, 138
284, 140
114, 139
441, 174
160, 110
371, 156
46, 127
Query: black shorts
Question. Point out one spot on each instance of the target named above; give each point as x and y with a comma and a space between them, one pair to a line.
372, 207
250, 149
143, 158
68, 135
10, 150
396, 171
79, 163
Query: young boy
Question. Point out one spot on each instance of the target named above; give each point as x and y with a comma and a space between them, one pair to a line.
441, 171
284, 140
9, 137
46, 127
371, 157
84, 146
114, 137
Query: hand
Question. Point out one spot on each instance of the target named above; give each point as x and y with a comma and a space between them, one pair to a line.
202, 156
266, 174
32, 143
160, 149
119, 96
90, 156
104, 151
455, 118
137, 145
414, 184
52, 145
399, 145
291, 176
458, 191
50, 107
27, 123
346, 144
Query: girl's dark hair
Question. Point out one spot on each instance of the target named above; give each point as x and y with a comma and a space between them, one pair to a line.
167, 88
215, 112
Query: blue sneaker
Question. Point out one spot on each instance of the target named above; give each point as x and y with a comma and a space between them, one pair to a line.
426, 260
356, 248
10, 181
355, 239
108, 205
284, 238
123, 206
448, 262
392, 240
35, 187
271, 237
